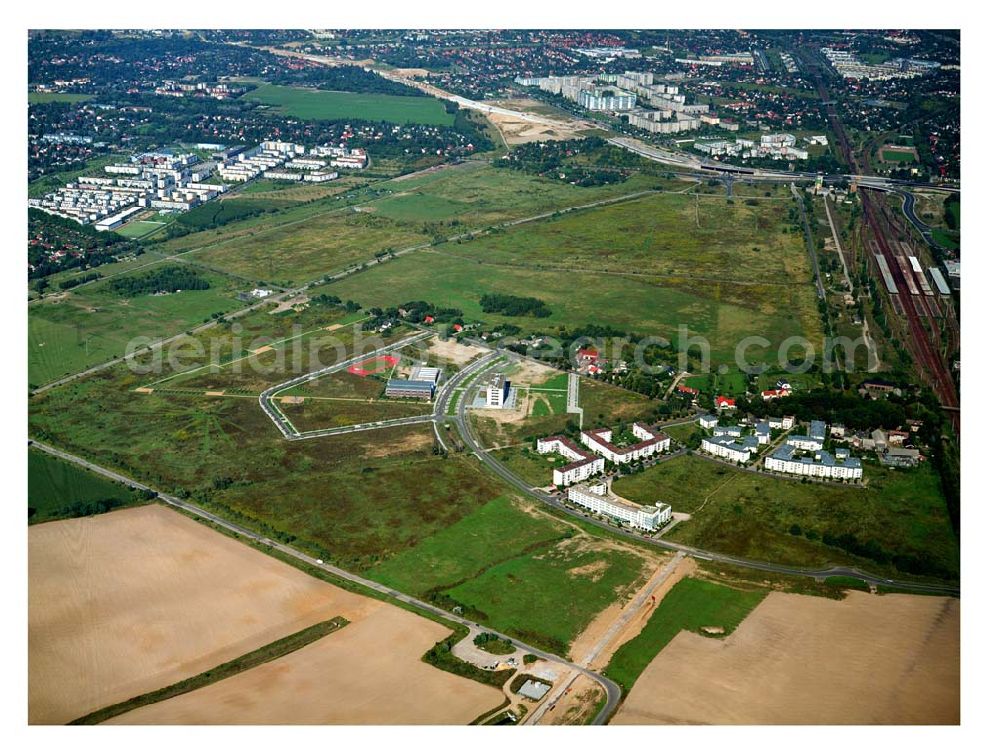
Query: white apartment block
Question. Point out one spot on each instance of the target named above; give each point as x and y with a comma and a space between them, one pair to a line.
819, 463
606, 100
708, 421
582, 465
597, 499
738, 450
651, 442
496, 391
812, 440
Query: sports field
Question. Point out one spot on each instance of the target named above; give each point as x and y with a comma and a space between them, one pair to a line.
307, 103
885, 660
139, 228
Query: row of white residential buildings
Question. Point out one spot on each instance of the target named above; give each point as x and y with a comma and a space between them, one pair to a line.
161, 181
582, 465
598, 498
650, 443
286, 161
819, 463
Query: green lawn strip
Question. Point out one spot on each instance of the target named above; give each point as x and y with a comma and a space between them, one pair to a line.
59, 489
690, 605
841, 581
265, 654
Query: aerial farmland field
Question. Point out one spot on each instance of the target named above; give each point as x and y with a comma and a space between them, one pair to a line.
175, 598
309, 103
764, 671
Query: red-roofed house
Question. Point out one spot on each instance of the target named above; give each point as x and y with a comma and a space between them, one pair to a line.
724, 402
774, 394
428, 319
682, 389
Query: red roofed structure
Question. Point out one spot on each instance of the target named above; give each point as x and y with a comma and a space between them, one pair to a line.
724, 402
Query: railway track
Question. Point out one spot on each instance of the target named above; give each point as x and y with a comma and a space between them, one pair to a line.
909, 303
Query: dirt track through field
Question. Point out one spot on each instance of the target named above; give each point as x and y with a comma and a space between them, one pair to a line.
806, 660
128, 602
369, 672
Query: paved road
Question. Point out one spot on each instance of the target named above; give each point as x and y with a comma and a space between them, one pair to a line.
614, 692
266, 398
909, 210
516, 481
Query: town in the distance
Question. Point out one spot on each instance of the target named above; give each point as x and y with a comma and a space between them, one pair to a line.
494, 377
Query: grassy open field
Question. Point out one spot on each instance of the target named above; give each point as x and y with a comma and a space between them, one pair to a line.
497, 530
644, 266
339, 497
59, 489
306, 241
550, 595
57, 98
139, 228
307, 103
704, 237
754, 515
520, 571
626, 303
319, 414
691, 605
604, 404
478, 195
91, 324
524, 461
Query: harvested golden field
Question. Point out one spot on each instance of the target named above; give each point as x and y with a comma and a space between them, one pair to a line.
806, 660
368, 672
128, 602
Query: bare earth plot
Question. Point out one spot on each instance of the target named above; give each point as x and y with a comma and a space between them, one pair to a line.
131, 601
373, 674
807, 660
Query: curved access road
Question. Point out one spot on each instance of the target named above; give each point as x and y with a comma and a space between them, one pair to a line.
467, 434
613, 690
